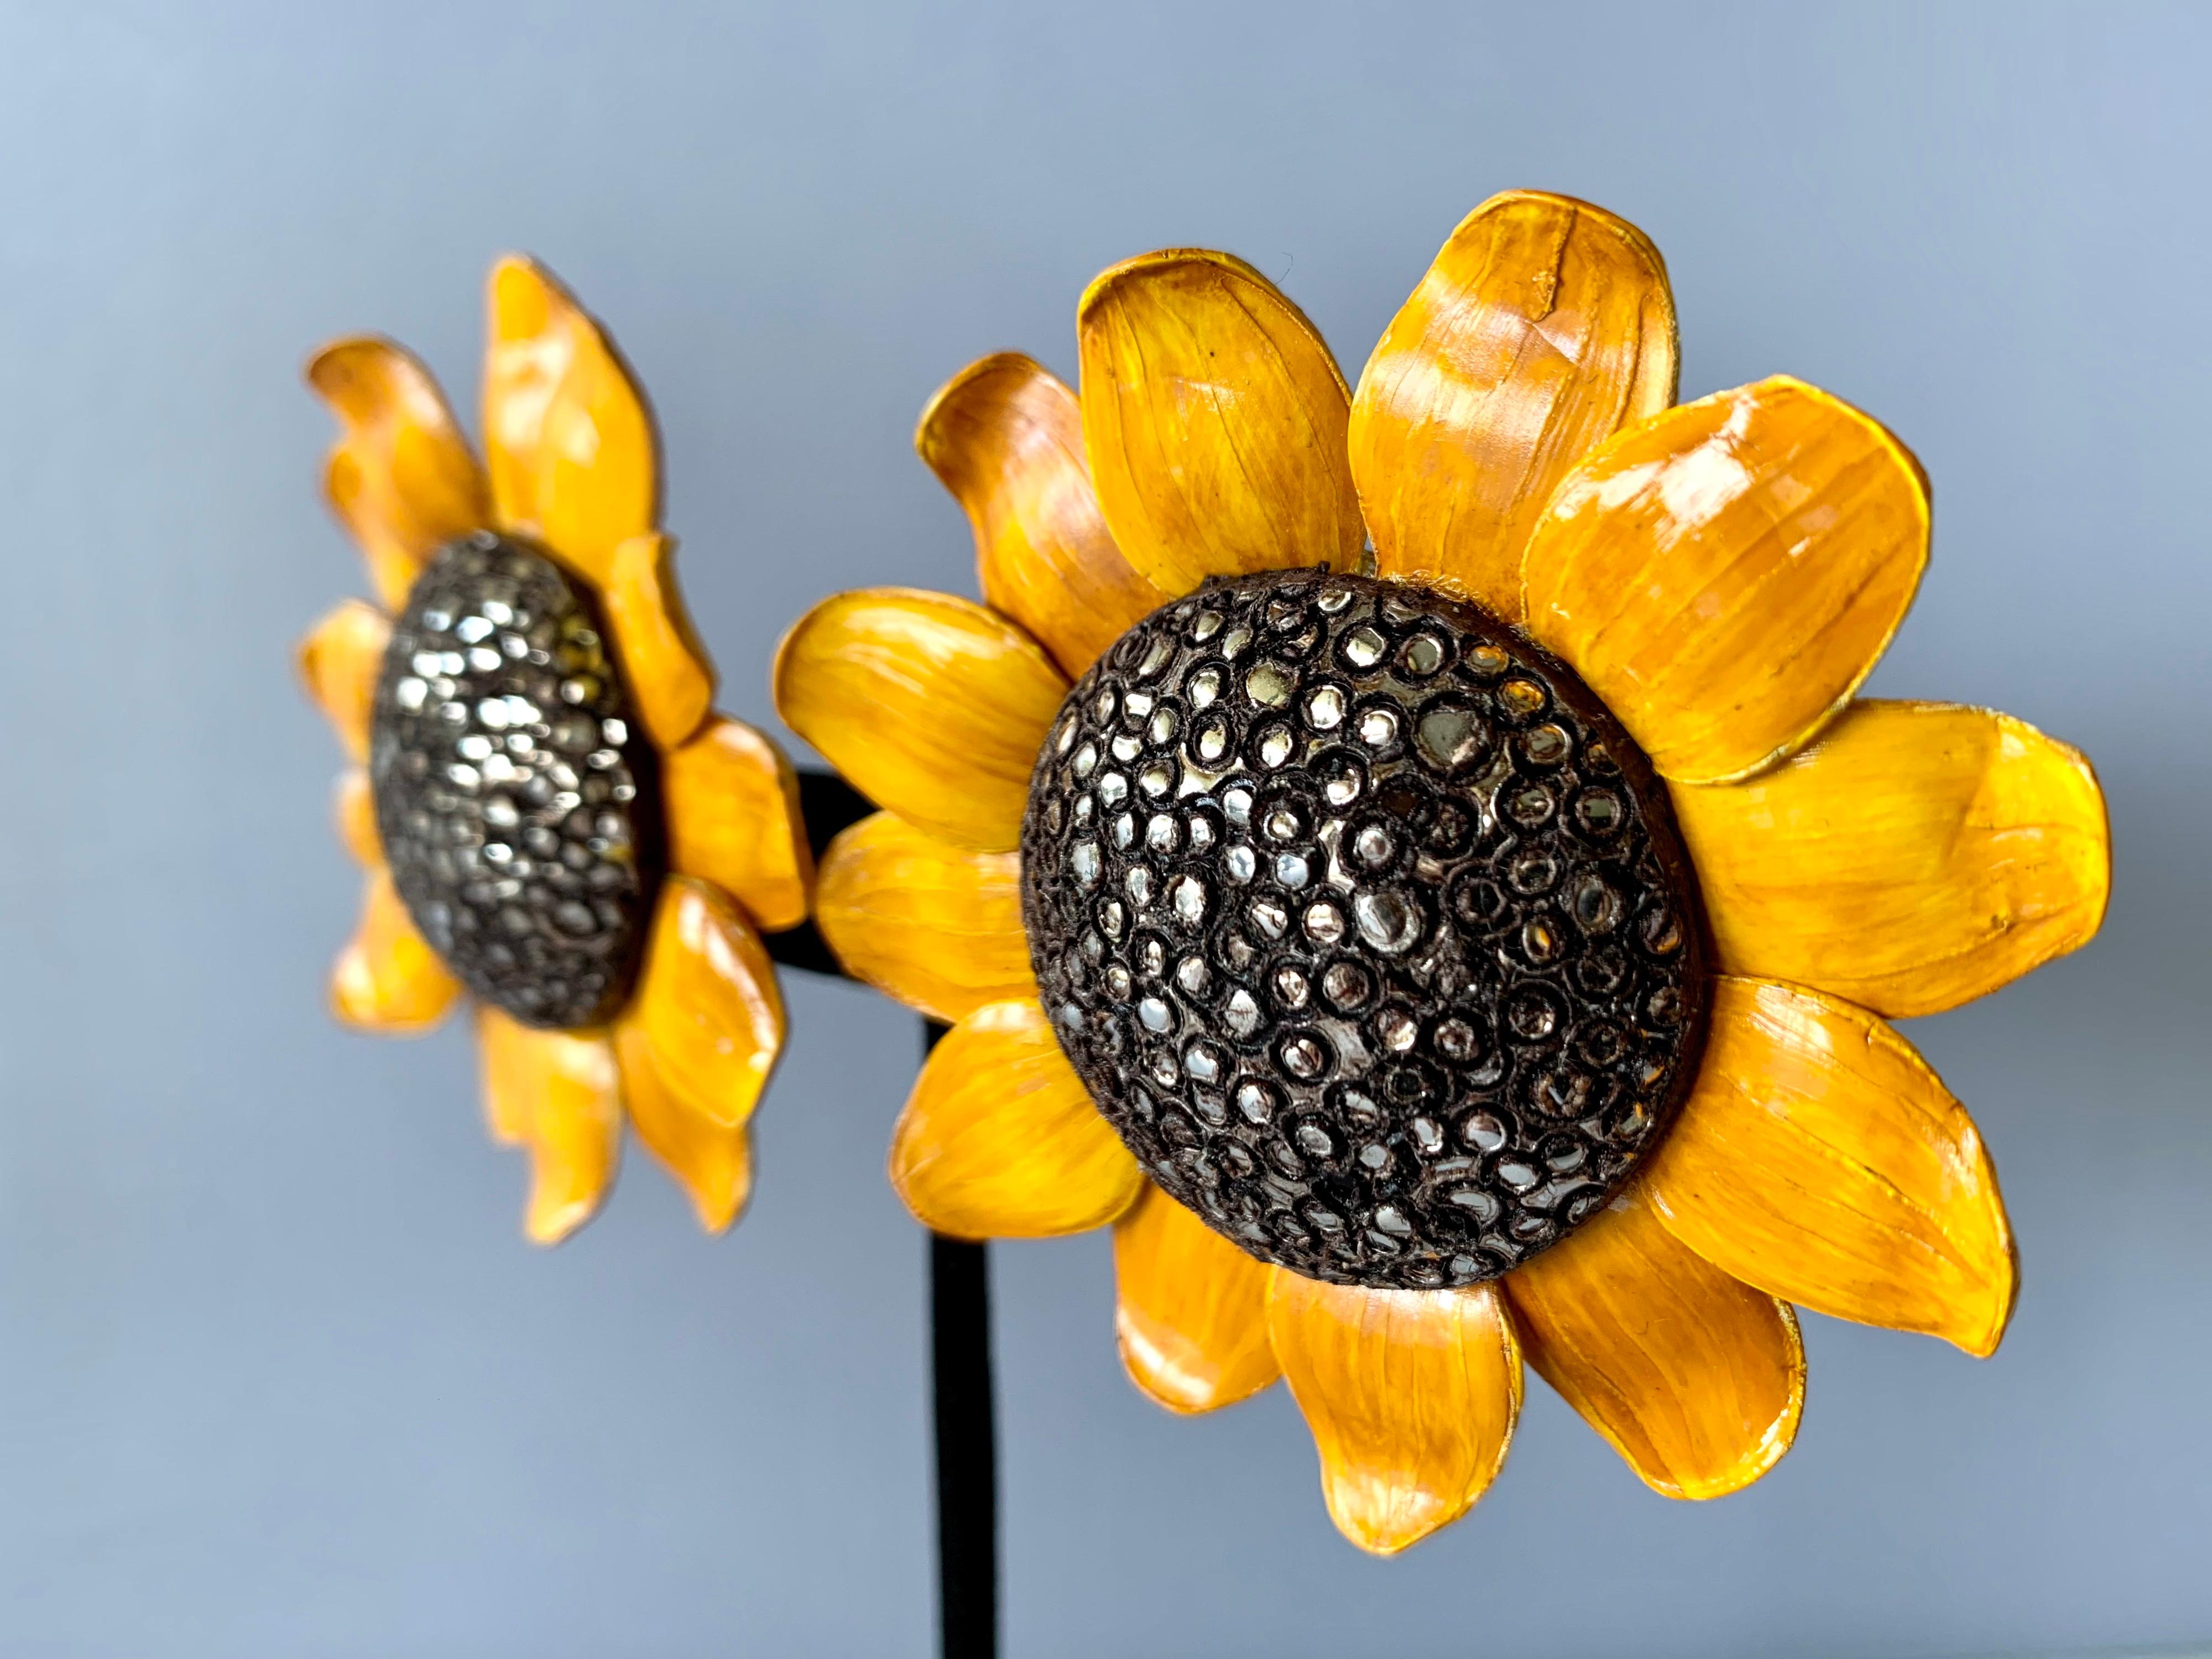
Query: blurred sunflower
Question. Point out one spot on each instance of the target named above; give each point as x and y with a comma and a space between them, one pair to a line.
1453, 916
551, 814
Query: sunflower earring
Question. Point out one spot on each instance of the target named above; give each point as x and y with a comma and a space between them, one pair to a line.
553, 821
1414, 863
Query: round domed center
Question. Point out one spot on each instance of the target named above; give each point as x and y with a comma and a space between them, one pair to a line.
515, 791
1366, 924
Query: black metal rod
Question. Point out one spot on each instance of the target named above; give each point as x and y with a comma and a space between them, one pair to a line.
966, 1450
966, 1412
962, 1399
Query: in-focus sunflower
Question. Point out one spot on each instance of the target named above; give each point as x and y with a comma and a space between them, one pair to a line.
1453, 914
551, 814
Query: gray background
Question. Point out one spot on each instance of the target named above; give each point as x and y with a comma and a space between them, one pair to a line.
277, 1376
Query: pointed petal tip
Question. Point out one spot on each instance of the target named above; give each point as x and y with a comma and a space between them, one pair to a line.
709, 1159
719, 1212
522, 295
401, 477
708, 1005
1917, 856
558, 1095
1190, 1314
1580, 205
1411, 1397
556, 1220
1159, 260
1542, 326
1696, 1379
572, 448
928, 428
1980, 1339
1822, 1159
335, 370
1005, 437
1168, 260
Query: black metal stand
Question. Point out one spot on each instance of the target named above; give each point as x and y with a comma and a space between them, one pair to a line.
967, 1440
961, 1394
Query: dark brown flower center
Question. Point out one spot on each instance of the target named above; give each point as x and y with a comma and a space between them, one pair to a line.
515, 793
1366, 924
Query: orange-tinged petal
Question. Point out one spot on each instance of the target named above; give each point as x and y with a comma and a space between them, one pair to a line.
731, 802
1919, 855
668, 669
1190, 1309
707, 1004
354, 809
1544, 326
558, 1095
1821, 1160
387, 979
936, 926
711, 1161
402, 477
999, 1140
570, 439
339, 662
1214, 419
1696, 1379
1411, 1396
1005, 437
930, 705
1725, 574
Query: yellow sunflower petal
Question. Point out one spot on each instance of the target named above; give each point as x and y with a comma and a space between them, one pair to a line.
570, 439
1005, 437
999, 1140
558, 1095
1820, 1160
1919, 855
707, 1006
339, 661
402, 477
1725, 574
932, 706
936, 926
711, 1161
356, 811
668, 669
1214, 419
1696, 1380
1190, 1310
732, 801
388, 979
1544, 326
1411, 1396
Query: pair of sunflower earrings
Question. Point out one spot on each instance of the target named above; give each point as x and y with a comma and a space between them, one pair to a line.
1410, 859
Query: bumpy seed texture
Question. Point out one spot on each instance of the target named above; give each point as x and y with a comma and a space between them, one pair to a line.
1366, 924
514, 788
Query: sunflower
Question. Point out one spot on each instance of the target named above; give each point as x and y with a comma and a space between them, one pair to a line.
552, 816
1454, 913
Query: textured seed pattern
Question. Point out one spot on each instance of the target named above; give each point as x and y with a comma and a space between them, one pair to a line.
1366, 924
514, 789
